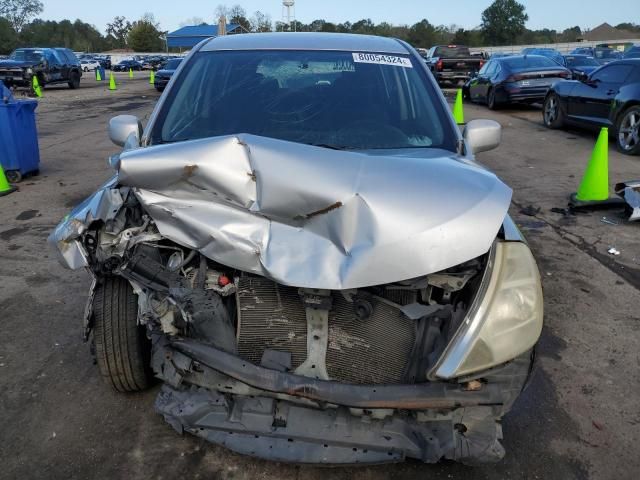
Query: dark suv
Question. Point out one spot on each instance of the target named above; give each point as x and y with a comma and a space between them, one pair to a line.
50, 65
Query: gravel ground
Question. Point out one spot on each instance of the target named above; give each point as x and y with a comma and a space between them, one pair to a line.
578, 419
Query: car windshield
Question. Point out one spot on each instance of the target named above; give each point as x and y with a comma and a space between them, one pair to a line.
452, 51
528, 61
581, 62
27, 55
333, 99
172, 64
606, 54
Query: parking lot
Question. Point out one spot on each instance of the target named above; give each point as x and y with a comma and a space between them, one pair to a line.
579, 418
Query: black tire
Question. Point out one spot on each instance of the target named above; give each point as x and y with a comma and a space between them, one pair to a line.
491, 100
552, 114
123, 350
628, 130
160, 89
74, 80
13, 176
466, 95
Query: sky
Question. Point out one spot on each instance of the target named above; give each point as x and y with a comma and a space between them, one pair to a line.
554, 14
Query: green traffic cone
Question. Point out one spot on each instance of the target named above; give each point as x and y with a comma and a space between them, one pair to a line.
112, 82
131, 73
98, 76
594, 187
458, 112
5, 187
152, 78
595, 183
36, 86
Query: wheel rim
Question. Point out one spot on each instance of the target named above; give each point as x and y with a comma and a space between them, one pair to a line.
629, 133
551, 111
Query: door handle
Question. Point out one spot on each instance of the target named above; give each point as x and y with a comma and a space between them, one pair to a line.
611, 92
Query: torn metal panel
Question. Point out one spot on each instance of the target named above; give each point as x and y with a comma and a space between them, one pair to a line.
104, 205
630, 192
314, 217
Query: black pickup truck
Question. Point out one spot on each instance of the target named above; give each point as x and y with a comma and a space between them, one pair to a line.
452, 63
50, 65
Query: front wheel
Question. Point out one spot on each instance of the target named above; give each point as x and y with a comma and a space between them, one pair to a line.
628, 131
552, 115
491, 100
74, 80
123, 351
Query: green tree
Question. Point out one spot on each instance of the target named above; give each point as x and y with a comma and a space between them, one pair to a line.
422, 34
145, 35
571, 34
261, 22
470, 38
503, 21
8, 36
364, 26
238, 15
631, 27
19, 12
78, 35
118, 31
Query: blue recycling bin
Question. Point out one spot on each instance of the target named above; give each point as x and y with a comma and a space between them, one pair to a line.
19, 152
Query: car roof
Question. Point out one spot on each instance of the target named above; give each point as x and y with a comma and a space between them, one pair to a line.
577, 55
305, 41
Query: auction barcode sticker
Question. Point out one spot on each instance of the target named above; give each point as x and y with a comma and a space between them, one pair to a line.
382, 59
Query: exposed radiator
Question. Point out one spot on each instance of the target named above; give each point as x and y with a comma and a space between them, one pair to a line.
270, 317
371, 351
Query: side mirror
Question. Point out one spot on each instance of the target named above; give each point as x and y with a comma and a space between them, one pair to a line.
125, 131
482, 135
582, 76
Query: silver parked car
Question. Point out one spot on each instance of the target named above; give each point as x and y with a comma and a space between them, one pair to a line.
302, 248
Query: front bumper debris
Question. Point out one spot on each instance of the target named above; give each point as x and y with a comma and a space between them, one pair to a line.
282, 431
278, 416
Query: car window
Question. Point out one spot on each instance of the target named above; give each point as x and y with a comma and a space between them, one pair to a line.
452, 51
528, 61
612, 73
52, 57
70, 56
172, 64
27, 55
315, 97
581, 61
606, 53
634, 76
492, 69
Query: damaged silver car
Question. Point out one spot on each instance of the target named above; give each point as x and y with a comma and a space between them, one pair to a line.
302, 248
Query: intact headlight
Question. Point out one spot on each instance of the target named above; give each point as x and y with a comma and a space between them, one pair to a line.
29, 71
505, 319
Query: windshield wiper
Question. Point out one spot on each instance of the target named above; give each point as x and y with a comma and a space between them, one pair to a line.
331, 147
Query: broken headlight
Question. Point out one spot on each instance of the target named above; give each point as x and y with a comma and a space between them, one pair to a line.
504, 321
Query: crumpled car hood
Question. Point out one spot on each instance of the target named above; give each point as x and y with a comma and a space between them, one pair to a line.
314, 217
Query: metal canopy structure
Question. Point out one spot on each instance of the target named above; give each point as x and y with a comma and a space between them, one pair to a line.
190, 36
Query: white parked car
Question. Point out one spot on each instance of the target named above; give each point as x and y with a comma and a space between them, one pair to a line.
89, 65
